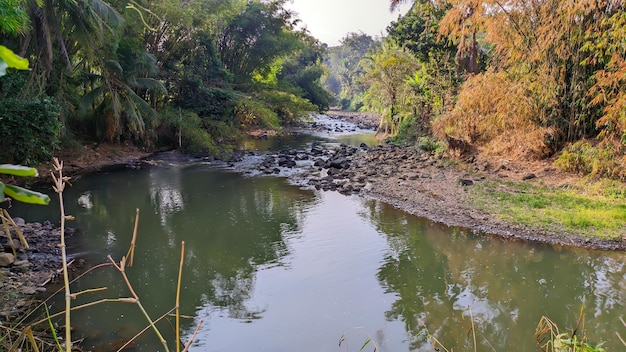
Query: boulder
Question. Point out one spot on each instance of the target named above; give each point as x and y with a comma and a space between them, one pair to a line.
6, 259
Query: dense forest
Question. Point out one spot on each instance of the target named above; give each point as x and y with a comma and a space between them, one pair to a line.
526, 79
189, 74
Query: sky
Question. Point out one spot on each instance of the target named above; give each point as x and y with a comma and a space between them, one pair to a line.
330, 20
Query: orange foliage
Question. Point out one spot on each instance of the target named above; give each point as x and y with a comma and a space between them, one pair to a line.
498, 115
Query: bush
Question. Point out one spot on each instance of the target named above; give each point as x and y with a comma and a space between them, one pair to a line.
29, 129
429, 144
255, 114
209, 103
495, 112
288, 107
193, 137
596, 161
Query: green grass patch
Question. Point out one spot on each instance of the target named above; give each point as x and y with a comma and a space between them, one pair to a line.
595, 209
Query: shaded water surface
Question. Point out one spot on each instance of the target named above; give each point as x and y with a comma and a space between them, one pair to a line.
272, 267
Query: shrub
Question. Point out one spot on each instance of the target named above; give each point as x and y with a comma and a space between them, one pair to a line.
188, 125
288, 107
29, 129
596, 161
255, 114
429, 144
407, 132
498, 114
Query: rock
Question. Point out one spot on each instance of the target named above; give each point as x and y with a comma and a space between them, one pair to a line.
29, 291
23, 267
339, 163
412, 176
529, 176
466, 182
317, 150
6, 259
21, 263
19, 221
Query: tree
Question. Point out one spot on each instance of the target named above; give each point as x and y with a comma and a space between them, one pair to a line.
114, 100
256, 37
65, 28
344, 70
386, 74
13, 18
303, 70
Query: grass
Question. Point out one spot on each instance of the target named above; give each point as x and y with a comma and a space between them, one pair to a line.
591, 209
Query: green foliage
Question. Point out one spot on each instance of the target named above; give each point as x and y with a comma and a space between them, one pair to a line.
429, 144
418, 30
207, 102
255, 114
255, 38
33, 127
407, 132
9, 59
18, 193
118, 88
303, 70
177, 125
288, 107
550, 339
386, 73
13, 18
344, 69
596, 161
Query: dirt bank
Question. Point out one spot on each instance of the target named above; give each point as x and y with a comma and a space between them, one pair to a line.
438, 189
423, 185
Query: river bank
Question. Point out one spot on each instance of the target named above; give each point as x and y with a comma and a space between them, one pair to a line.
418, 182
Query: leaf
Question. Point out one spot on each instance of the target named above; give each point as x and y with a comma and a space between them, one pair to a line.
18, 170
2, 198
12, 60
367, 342
25, 195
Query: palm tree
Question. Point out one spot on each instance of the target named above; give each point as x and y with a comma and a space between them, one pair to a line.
66, 28
114, 100
387, 72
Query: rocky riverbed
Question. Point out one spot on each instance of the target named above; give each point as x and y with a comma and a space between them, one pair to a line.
415, 181
26, 271
406, 177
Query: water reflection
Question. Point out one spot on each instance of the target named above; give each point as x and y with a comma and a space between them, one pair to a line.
443, 281
271, 266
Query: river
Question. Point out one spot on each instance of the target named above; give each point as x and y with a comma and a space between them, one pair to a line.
270, 266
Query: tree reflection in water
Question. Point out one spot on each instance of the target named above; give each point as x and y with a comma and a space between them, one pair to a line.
508, 285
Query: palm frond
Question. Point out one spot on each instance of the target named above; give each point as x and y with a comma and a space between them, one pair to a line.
91, 99
150, 84
114, 67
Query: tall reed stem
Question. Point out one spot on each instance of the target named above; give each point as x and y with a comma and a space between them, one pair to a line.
59, 187
180, 277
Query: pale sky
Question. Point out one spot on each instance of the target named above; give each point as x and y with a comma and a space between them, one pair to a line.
330, 20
